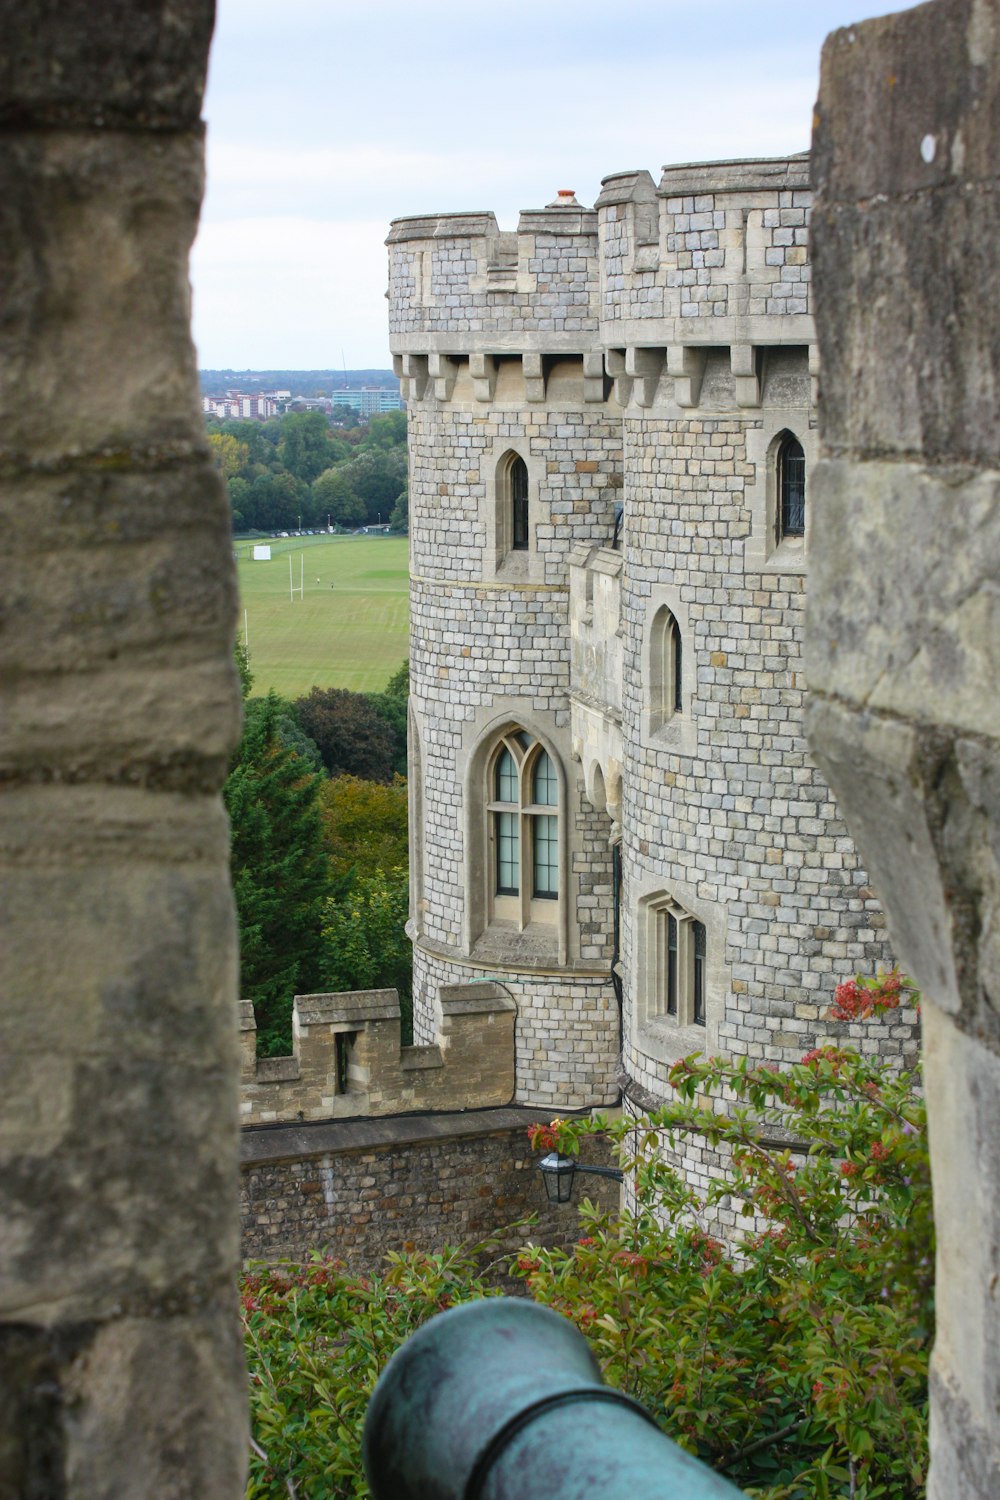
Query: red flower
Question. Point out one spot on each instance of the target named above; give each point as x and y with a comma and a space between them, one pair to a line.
542, 1137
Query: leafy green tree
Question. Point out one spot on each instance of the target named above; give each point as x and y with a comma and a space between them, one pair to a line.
364, 826
366, 943
386, 431
229, 453
399, 516
333, 495
280, 873
238, 489
353, 737
377, 477
275, 501
391, 705
306, 448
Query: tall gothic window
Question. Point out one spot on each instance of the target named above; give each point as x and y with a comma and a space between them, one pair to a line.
523, 811
791, 488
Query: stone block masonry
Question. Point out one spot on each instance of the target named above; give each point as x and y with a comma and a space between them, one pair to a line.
363, 1188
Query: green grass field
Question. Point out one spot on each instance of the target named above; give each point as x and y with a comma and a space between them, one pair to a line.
350, 628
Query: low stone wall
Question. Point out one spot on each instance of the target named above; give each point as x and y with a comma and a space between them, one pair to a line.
363, 1188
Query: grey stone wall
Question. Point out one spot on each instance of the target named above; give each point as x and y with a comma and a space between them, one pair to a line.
118, 708
904, 631
362, 1189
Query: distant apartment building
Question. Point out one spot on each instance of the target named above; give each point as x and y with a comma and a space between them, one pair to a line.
259, 406
370, 400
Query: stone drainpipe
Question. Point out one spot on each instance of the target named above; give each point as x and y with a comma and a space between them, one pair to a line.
904, 605
120, 1360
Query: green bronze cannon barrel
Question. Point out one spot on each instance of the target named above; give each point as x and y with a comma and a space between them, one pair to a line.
502, 1400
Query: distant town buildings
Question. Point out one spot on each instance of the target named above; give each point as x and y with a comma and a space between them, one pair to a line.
260, 405
370, 400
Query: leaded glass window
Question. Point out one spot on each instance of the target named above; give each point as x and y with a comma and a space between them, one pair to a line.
524, 826
517, 480
791, 487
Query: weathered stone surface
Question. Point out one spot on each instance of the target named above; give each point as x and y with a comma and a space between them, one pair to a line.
98, 272
894, 93
120, 1359
922, 640
139, 66
904, 612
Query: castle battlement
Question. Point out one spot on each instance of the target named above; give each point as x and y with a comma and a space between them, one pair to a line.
639, 290
347, 1058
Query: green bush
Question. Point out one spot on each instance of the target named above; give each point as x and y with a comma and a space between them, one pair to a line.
797, 1365
317, 1339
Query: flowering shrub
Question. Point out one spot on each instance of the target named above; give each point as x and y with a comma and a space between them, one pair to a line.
797, 1365
317, 1339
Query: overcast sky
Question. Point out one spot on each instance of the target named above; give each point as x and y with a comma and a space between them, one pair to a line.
328, 119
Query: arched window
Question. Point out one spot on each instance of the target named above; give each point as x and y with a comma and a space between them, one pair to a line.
523, 812
791, 487
676, 959
516, 499
666, 668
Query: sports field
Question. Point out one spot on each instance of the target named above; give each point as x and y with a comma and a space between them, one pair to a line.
349, 629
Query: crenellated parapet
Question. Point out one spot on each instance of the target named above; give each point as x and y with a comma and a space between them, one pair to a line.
644, 289
458, 285
713, 257
347, 1058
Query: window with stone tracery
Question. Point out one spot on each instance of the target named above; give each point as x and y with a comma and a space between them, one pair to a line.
523, 813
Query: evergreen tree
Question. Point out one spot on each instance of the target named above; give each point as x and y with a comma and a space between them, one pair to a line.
280, 873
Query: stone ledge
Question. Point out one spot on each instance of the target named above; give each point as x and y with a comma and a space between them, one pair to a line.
260, 1145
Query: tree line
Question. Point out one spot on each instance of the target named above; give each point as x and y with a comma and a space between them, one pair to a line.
317, 808
298, 470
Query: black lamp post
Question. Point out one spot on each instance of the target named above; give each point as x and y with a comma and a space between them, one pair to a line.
559, 1174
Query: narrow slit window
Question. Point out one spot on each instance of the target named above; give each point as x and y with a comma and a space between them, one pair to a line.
677, 655
517, 478
666, 668
791, 488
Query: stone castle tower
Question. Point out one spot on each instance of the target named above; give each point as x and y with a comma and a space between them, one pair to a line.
612, 430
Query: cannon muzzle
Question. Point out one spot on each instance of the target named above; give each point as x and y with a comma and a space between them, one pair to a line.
503, 1400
